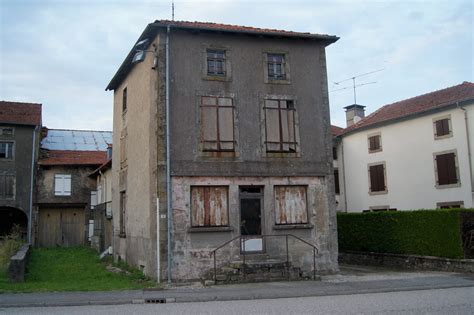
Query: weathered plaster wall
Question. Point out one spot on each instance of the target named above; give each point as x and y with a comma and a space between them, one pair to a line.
192, 250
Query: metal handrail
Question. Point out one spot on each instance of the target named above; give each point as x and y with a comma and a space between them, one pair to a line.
240, 237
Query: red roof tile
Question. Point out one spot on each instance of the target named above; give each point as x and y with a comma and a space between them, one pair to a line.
20, 113
56, 157
417, 105
239, 29
336, 131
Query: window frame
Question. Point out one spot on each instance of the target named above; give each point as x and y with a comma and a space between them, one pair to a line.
63, 192
378, 192
12, 151
435, 129
376, 135
227, 76
202, 148
195, 226
218, 57
285, 68
456, 166
296, 134
449, 204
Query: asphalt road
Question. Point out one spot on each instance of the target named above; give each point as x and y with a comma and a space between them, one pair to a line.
436, 301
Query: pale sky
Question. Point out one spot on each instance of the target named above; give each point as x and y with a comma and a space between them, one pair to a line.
63, 53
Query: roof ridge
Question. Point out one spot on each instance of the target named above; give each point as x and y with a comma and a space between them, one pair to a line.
88, 130
31, 103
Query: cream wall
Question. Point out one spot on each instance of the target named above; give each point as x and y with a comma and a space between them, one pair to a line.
408, 148
137, 248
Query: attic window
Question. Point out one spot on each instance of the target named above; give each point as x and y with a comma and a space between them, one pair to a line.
216, 62
6, 131
375, 143
442, 127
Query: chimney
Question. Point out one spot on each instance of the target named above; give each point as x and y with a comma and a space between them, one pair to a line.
354, 113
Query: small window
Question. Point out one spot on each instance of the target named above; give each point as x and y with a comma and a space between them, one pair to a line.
7, 186
446, 169
123, 211
93, 199
291, 205
375, 144
377, 178
276, 66
336, 182
6, 150
124, 100
442, 127
62, 185
334, 153
280, 126
6, 131
450, 205
217, 124
209, 206
216, 62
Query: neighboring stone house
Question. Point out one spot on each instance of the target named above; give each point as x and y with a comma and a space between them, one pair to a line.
19, 129
101, 238
249, 151
412, 154
63, 185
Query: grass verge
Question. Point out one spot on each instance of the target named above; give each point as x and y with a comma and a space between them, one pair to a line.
72, 269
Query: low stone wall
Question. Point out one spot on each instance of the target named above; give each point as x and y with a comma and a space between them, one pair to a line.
413, 262
17, 267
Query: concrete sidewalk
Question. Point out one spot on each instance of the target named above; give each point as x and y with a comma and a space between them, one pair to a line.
351, 280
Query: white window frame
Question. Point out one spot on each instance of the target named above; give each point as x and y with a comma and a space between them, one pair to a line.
62, 185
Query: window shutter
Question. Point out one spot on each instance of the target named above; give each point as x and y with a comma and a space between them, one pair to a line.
93, 199
451, 168
209, 206
442, 167
9, 186
58, 185
67, 185
2, 185
290, 205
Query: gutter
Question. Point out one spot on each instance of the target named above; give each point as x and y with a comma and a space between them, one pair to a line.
30, 220
168, 168
469, 155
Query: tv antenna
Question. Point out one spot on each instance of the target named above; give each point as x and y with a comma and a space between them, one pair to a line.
172, 10
354, 85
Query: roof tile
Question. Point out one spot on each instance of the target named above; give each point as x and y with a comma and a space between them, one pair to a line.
20, 113
59, 157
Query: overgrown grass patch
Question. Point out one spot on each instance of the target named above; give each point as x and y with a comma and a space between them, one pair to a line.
72, 269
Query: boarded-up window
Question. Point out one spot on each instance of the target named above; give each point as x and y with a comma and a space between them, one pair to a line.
446, 169
209, 206
62, 185
442, 127
6, 150
217, 123
124, 100
7, 186
280, 129
123, 210
291, 205
374, 143
377, 177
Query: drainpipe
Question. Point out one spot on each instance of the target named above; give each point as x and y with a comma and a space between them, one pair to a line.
466, 123
30, 220
343, 174
168, 168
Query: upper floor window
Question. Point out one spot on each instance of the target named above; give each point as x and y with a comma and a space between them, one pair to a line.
6, 150
6, 131
62, 185
216, 62
375, 143
280, 126
377, 178
217, 123
7, 186
124, 100
442, 127
446, 169
276, 66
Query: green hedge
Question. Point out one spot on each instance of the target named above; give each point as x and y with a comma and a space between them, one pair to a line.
421, 232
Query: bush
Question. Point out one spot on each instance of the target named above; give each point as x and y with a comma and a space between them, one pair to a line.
421, 232
9, 245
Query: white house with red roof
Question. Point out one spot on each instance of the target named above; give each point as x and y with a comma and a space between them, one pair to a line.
412, 154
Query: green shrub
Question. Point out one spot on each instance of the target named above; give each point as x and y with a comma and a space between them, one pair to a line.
9, 245
421, 232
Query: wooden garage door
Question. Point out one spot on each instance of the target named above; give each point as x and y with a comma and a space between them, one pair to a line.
61, 227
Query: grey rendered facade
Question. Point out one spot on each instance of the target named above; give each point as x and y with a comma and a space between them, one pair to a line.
245, 174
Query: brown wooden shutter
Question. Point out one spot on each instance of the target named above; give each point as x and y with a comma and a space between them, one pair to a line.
377, 178
446, 167
442, 127
209, 206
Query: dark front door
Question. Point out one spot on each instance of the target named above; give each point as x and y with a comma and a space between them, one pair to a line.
251, 206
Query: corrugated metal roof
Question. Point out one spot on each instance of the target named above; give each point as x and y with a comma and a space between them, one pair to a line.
76, 140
